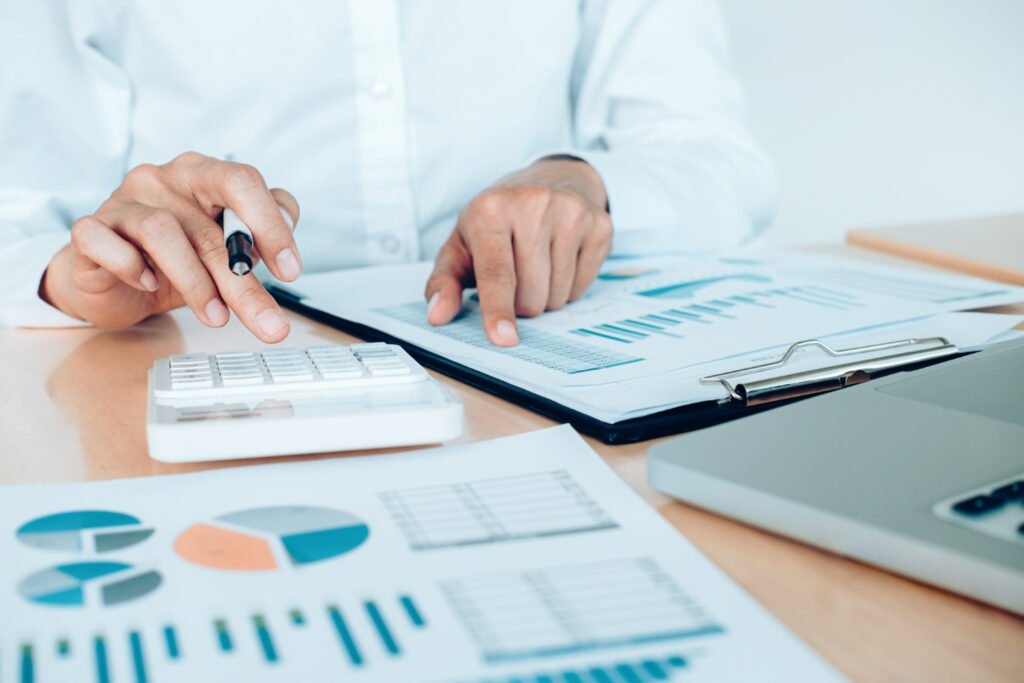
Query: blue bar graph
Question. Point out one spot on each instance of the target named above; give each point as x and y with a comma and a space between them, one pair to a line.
644, 671
138, 661
263, 635
28, 667
102, 668
171, 641
345, 635
63, 647
223, 636
382, 628
297, 617
415, 616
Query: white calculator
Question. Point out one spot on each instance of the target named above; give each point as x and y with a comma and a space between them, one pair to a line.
244, 404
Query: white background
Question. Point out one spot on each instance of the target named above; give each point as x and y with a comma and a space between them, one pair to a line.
884, 111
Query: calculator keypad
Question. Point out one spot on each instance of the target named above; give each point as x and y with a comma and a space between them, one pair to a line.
197, 375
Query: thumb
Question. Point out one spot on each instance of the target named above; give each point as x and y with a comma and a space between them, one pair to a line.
444, 286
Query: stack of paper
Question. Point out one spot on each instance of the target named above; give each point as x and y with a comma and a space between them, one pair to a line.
647, 330
523, 559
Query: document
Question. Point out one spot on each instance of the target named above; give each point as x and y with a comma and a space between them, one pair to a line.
644, 318
519, 559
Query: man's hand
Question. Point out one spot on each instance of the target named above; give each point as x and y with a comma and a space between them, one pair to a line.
533, 241
155, 245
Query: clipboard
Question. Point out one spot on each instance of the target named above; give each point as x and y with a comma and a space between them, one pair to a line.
745, 398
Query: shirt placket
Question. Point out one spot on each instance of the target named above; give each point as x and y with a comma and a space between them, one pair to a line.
382, 132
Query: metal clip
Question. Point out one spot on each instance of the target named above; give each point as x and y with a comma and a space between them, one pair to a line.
827, 378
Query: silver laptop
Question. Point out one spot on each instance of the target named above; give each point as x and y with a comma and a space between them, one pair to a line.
919, 472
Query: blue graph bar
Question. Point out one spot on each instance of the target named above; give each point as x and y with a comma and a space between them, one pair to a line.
722, 303
63, 647
223, 636
600, 676
654, 670
592, 333
753, 302
263, 635
28, 667
628, 674
102, 669
710, 309
138, 662
658, 318
297, 617
689, 316
622, 330
171, 641
414, 614
346, 637
382, 628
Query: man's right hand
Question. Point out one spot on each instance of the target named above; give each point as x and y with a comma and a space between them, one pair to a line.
154, 245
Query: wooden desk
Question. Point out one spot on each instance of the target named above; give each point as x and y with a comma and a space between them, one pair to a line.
72, 408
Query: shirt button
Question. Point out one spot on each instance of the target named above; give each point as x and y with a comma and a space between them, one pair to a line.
381, 90
390, 244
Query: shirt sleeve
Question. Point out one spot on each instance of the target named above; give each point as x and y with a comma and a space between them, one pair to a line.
64, 107
658, 113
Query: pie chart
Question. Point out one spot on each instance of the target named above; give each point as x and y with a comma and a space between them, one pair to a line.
84, 531
270, 538
92, 584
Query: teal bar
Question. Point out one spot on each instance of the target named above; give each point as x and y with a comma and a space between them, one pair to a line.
297, 618
345, 635
572, 677
28, 666
414, 614
600, 675
102, 670
543, 679
269, 652
223, 637
171, 640
654, 670
629, 674
63, 647
382, 628
677, 662
138, 662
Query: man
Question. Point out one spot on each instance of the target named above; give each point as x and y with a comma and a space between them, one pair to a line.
389, 121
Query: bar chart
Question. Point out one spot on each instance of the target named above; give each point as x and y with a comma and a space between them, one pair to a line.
358, 631
523, 615
683, 319
494, 510
535, 346
626, 671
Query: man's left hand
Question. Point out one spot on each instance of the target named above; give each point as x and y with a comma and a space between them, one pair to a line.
533, 241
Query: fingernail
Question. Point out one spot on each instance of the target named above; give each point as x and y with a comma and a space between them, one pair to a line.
148, 280
216, 312
507, 332
288, 264
433, 302
271, 322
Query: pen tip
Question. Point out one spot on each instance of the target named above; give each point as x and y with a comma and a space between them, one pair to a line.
240, 268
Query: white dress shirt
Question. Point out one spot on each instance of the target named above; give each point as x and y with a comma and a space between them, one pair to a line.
382, 117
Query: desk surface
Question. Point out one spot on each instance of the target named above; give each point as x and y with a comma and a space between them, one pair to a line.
72, 408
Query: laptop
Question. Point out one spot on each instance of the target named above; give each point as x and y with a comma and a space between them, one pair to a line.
920, 472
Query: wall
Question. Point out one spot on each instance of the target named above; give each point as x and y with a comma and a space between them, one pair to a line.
880, 112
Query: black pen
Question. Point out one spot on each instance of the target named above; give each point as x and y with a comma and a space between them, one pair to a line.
238, 242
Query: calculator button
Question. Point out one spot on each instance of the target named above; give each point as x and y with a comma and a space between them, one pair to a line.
192, 383
346, 373
188, 358
1012, 491
976, 505
241, 380
389, 371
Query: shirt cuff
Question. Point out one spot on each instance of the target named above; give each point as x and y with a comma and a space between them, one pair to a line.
22, 265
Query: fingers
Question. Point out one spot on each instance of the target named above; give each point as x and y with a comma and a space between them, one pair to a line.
241, 188
102, 255
453, 270
160, 234
495, 273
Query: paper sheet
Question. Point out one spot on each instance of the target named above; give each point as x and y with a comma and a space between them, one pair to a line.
520, 559
645, 318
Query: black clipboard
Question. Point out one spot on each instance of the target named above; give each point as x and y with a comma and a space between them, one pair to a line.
673, 421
